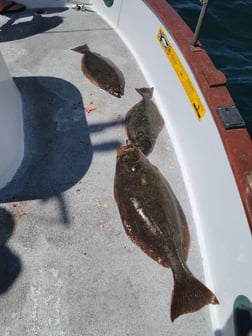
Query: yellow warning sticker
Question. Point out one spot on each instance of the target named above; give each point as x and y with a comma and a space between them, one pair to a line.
182, 74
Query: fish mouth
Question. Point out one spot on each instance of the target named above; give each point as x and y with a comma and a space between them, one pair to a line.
145, 146
128, 157
123, 149
115, 93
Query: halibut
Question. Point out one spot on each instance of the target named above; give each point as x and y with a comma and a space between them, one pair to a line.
154, 220
101, 71
144, 122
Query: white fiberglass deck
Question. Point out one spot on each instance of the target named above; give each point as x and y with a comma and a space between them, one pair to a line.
73, 270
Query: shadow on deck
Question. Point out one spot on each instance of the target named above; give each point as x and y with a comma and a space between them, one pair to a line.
28, 23
58, 149
58, 153
10, 263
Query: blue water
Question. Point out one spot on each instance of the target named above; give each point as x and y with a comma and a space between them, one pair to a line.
227, 37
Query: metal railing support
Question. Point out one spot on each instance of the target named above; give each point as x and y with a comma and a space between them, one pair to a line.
200, 21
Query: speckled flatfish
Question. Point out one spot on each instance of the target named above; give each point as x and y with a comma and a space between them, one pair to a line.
154, 220
101, 71
144, 122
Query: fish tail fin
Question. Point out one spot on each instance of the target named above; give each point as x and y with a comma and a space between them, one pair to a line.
81, 49
145, 92
190, 295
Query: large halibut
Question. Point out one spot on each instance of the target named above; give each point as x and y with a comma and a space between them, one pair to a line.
144, 122
101, 71
154, 220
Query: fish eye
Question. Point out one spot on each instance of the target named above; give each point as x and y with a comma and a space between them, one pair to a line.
130, 158
146, 145
125, 158
139, 133
133, 166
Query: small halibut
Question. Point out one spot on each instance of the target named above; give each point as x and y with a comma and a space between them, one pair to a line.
154, 220
144, 122
101, 71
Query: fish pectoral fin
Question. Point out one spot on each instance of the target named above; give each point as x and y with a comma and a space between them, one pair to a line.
186, 237
153, 255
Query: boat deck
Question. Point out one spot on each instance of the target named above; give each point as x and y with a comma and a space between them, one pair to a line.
67, 266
